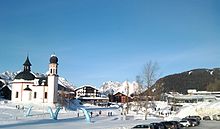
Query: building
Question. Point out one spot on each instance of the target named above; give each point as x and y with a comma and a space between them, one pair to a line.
5, 92
88, 93
193, 96
29, 88
216, 94
121, 98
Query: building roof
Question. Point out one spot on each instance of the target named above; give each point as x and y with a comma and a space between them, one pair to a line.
190, 97
26, 75
42, 81
119, 93
94, 98
86, 86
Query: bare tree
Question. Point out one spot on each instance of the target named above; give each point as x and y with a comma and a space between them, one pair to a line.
145, 82
137, 95
127, 94
140, 84
150, 73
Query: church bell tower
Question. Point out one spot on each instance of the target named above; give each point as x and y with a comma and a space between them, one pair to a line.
53, 80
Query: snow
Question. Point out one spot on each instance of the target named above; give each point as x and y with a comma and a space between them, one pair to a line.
211, 72
202, 109
115, 87
190, 72
13, 118
62, 81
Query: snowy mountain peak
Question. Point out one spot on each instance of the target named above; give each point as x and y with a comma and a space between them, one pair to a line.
8, 77
125, 87
62, 81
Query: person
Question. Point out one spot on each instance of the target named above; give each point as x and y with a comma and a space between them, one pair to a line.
18, 107
91, 114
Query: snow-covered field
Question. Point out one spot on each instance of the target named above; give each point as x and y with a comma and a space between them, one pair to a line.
13, 118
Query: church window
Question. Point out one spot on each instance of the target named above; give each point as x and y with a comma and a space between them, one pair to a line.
45, 95
16, 96
51, 71
35, 95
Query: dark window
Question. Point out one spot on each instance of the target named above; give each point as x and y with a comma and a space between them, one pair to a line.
16, 96
45, 95
35, 95
90, 90
50, 70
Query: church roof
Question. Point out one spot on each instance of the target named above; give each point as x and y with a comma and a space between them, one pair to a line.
27, 62
26, 75
43, 81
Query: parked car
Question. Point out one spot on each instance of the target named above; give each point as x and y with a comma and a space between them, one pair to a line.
184, 123
158, 126
193, 122
216, 117
143, 126
169, 125
176, 124
196, 117
206, 118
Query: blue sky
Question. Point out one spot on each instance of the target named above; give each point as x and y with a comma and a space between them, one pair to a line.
102, 40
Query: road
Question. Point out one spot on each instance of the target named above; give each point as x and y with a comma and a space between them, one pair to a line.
208, 125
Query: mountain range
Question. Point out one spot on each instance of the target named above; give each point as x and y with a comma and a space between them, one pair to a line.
126, 87
7, 77
198, 79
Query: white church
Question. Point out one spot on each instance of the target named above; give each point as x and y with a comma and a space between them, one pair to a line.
28, 88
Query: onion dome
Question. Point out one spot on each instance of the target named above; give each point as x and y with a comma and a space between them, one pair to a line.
53, 59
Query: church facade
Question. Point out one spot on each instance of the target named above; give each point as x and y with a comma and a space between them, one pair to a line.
30, 88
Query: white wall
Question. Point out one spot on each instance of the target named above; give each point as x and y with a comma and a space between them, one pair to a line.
40, 90
19, 86
28, 96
